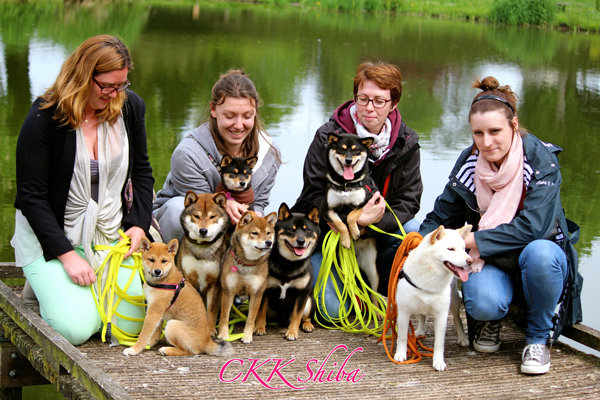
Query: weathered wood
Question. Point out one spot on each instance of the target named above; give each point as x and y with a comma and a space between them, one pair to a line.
585, 335
72, 373
9, 270
16, 370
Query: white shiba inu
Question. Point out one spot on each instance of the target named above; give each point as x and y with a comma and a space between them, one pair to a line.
425, 287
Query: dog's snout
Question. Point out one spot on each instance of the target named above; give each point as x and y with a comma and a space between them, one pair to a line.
203, 231
242, 184
348, 160
300, 241
268, 243
157, 272
469, 261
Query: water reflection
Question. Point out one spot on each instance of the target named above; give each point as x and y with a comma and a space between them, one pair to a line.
302, 64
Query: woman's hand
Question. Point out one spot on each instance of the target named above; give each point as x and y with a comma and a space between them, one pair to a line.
373, 211
135, 233
235, 211
77, 268
470, 242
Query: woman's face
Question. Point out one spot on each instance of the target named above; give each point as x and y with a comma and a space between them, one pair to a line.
493, 135
98, 100
235, 119
373, 118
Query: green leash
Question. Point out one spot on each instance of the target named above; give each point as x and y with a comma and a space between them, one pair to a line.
355, 290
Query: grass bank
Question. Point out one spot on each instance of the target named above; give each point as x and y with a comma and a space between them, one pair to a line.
582, 15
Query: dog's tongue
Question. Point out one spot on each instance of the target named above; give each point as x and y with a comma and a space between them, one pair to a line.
463, 274
299, 251
348, 173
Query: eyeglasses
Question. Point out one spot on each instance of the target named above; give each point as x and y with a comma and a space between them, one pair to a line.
110, 89
378, 102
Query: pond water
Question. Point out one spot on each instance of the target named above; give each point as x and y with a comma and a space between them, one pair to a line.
302, 63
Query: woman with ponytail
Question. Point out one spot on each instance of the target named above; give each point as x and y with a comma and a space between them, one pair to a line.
507, 185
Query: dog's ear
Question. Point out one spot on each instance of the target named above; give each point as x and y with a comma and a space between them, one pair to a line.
172, 247
367, 141
226, 160
220, 199
465, 230
438, 234
332, 137
144, 245
272, 218
246, 219
284, 212
313, 215
190, 198
251, 161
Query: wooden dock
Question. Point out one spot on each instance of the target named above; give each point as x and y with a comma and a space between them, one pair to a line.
324, 364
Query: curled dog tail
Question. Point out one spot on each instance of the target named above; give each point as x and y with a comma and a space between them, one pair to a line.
219, 348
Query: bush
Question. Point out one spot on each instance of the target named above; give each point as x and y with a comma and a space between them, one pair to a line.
517, 12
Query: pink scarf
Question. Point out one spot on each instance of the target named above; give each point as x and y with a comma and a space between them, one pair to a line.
498, 191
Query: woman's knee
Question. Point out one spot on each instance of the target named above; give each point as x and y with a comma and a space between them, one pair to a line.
168, 217
543, 258
487, 294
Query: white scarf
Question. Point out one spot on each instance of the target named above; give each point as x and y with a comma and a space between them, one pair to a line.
86, 222
380, 141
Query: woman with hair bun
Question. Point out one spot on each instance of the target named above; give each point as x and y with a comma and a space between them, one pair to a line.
507, 185
233, 127
80, 143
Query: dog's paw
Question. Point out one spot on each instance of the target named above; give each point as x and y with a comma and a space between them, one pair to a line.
224, 336
345, 241
308, 327
260, 331
400, 357
439, 365
247, 339
291, 336
464, 342
355, 232
130, 352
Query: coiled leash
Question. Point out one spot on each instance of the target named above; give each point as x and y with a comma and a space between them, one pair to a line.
413, 354
355, 290
111, 294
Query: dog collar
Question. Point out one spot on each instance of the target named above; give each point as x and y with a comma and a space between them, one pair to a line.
403, 275
236, 260
368, 182
170, 286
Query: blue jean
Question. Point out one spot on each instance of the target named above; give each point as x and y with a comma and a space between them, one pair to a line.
386, 251
488, 294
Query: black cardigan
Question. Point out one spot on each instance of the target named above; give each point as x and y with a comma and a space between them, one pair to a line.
45, 162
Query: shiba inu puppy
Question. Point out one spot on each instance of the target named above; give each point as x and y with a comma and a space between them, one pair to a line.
425, 288
205, 223
170, 300
349, 188
236, 174
245, 268
289, 287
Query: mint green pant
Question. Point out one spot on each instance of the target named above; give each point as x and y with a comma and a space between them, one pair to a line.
69, 308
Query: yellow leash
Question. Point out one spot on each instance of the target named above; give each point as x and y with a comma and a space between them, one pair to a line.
355, 290
111, 294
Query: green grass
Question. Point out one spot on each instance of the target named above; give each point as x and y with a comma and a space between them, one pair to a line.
577, 15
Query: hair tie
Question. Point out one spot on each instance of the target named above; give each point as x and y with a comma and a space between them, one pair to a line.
492, 97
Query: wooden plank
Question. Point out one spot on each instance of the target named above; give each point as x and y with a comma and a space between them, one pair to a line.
52, 355
585, 335
9, 270
16, 370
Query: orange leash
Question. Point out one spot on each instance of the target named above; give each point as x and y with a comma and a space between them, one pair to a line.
412, 240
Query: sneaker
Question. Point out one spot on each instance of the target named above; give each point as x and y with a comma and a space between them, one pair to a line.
487, 336
536, 359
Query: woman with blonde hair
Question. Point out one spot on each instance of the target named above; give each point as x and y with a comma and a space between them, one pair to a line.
79, 145
234, 127
507, 185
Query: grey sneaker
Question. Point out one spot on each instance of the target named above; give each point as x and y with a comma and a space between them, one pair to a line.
536, 359
487, 336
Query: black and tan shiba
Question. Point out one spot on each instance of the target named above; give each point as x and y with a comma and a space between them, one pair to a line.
205, 223
349, 188
288, 296
236, 174
170, 300
245, 269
